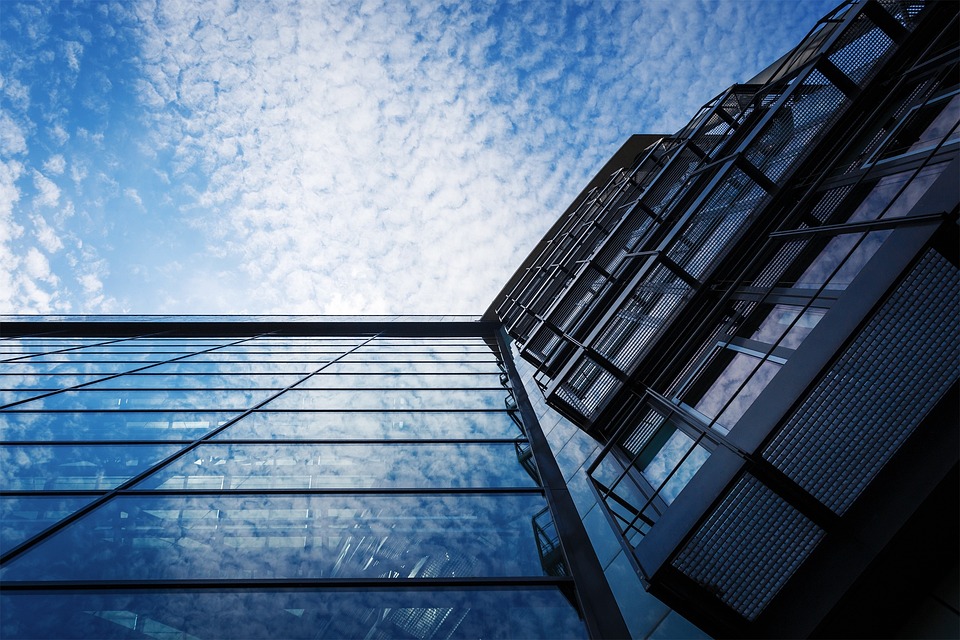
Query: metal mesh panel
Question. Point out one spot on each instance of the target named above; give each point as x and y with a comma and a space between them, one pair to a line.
628, 238
542, 344
748, 547
859, 49
549, 291
882, 386
587, 386
579, 300
649, 307
716, 223
905, 11
647, 425
787, 136
775, 268
523, 325
672, 182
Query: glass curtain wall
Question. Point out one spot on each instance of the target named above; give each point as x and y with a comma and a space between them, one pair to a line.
271, 487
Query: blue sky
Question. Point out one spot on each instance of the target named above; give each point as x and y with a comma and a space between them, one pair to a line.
329, 157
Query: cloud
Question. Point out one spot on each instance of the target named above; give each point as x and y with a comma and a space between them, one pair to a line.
48, 193
12, 140
46, 235
133, 195
344, 158
55, 165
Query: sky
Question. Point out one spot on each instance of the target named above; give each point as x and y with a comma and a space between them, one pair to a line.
326, 157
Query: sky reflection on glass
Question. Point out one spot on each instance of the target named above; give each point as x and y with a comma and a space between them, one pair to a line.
294, 614
132, 400
74, 467
402, 381
291, 536
397, 400
22, 517
304, 466
109, 425
334, 425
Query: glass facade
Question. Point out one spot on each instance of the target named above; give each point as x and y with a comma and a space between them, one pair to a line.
268, 486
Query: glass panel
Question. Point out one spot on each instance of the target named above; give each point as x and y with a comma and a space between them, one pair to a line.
109, 425
25, 367
75, 467
925, 126
394, 347
880, 202
402, 381
411, 367
332, 344
251, 348
664, 455
401, 400
46, 344
291, 536
442, 342
841, 260
173, 400
9, 397
235, 367
23, 517
327, 614
317, 359
44, 381
369, 354
136, 349
733, 381
90, 356
795, 321
373, 425
305, 466
200, 381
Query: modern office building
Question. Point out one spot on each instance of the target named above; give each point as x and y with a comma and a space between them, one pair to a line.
753, 325
719, 398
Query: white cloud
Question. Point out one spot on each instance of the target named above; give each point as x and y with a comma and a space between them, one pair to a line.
37, 267
55, 165
46, 235
12, 140
48, 193
72, 52
133, 195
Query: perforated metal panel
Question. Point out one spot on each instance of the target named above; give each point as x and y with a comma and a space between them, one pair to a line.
748, 547
587, 386
858, 51
787, 136
717, 223
649, 308
879, 390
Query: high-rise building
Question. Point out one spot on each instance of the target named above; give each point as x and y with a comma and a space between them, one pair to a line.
750, 332
237, 478
719, 398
